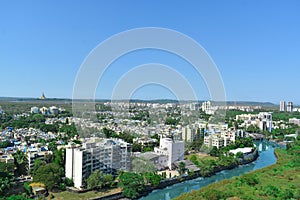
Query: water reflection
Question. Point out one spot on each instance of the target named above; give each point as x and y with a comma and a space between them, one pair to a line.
266, 158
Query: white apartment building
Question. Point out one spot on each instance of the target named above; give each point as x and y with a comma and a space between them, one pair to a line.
109, 155
263, 120
171, 148
289, 107
282, 106
33, 153
223, 139
188, 134
207, 108
214, 140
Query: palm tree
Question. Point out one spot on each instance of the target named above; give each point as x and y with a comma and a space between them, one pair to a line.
21, 162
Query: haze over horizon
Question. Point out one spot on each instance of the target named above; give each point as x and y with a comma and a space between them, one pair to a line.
255, 46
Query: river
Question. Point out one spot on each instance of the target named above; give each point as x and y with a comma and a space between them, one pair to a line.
266, 158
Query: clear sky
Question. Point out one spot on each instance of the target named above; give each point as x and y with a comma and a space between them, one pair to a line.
255, 44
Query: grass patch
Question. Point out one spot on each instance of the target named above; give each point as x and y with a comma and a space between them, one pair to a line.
83, 196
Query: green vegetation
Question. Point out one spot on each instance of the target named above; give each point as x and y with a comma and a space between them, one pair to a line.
151, 178
127, 137
219, 158
280, 133
16, 197
253, 129
279, 181
65, 195
285, 116
51, 171
182, 168
23, 107
21, 162
204, 116
172, 121
6, 143
140, 115
132, 184
99, 180
5, 185
49, 174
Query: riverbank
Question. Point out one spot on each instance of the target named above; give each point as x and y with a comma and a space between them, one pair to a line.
278, 181
164, 184
251, 157
266, 158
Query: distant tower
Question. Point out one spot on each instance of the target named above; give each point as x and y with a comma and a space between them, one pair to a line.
282, 106
289, 107
43, 96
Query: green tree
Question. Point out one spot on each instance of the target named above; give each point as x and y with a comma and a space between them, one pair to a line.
48, 174
69, 182
136, 147
59, 157
194, 159
239, 155
181, 168
132, 184
214, 151
37, 164
28, 188
253, 129
21, 162
5, 185
152, 178
95, 180
6, 169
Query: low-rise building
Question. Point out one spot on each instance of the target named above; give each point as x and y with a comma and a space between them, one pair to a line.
294, 121
33, 153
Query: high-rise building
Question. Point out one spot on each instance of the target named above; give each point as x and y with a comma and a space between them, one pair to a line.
289, 107
173, 149
108, 155
282, 106
206, 106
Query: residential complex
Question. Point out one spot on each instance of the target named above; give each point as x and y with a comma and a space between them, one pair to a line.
287, 107
263, 120
222, 138
108, 155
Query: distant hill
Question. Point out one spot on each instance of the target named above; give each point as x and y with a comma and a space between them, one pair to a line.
48, 100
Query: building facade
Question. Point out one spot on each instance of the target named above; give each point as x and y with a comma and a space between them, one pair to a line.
108, 155
282, 106
289, 107
173, 149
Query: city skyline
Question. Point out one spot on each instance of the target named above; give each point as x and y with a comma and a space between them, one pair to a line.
254, 45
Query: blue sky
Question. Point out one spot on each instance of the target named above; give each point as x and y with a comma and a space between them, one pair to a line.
255, 44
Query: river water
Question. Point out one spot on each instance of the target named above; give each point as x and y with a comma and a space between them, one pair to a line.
266, 158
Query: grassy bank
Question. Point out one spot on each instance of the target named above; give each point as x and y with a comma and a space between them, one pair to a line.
279, 181
83, 196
